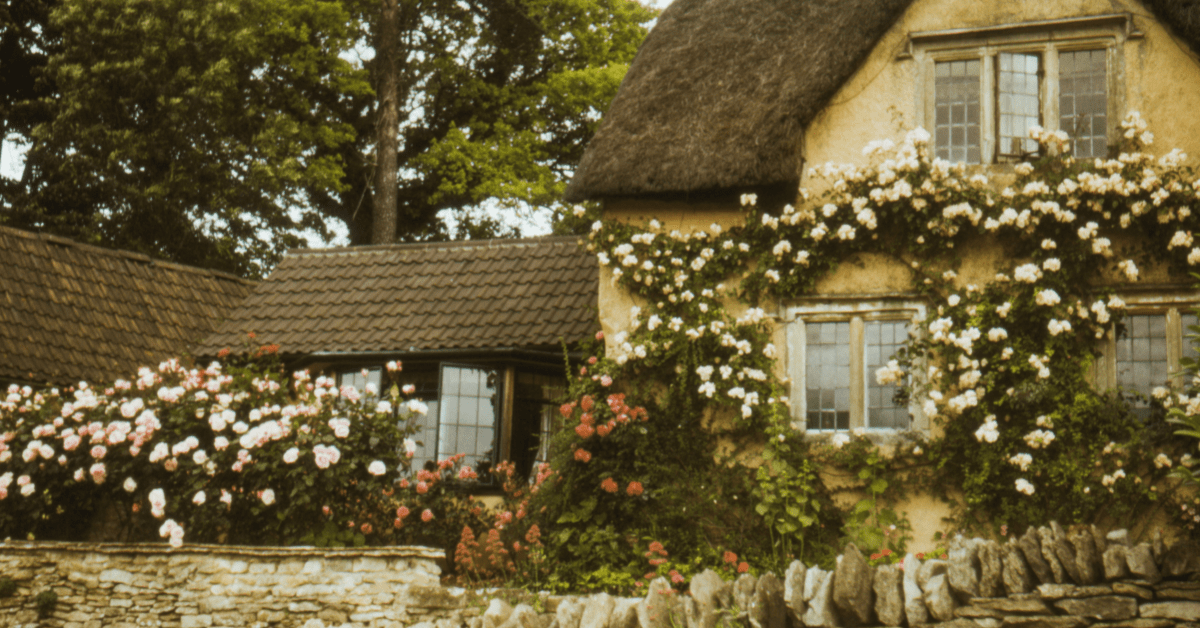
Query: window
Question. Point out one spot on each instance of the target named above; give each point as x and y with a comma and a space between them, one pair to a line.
1148, 353
834, 351
980, 90
490, 413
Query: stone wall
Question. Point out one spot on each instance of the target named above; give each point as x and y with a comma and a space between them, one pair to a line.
143, 585
1048, 578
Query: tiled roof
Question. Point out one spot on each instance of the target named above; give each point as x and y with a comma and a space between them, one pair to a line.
73, 311
534, 292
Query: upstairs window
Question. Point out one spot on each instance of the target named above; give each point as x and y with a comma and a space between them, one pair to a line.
980, 90
1147, 355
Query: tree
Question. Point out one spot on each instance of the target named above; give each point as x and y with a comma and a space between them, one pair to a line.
190, 129
497, 100
214, 133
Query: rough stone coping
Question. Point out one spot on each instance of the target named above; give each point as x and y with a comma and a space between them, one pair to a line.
300, 551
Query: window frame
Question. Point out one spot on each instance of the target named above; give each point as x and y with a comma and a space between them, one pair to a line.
858, 311
1173, 304
1045, 38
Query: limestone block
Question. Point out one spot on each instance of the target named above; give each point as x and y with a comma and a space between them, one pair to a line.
1119, 537
743, 591
1087, 559
625, 613
1015, 571
1031, 549
1140, 561
195, 621
853, 595
523, 616
568, 615
498, 612
1013, 606
1139, 623
938, 598
813, 579
963, 573
914, 598
597, 611
768, 610
991, 570
1184, 611
1178, 592
793, 591
820, 613
119, 576
1065, 552
1046, 542
660, 608
929, 569
1128, 588
1113, 560
889, 595
1105, 608
710, 593
1044, 621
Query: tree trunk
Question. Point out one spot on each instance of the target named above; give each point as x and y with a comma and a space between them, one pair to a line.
387, 122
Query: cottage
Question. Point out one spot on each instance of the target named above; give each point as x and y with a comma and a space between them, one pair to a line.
77, 312
481, 329
730, 99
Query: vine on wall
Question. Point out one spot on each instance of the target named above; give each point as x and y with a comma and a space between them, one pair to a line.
1001, 367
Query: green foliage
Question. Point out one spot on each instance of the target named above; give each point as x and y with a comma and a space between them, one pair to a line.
45, 602
216, 133
8, 587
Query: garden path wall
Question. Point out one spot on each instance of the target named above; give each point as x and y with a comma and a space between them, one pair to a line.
1047, 578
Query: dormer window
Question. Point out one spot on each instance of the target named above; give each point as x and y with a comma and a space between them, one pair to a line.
980, 90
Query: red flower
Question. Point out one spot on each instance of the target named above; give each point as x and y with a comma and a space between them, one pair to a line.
584, 430
743, 568
603, 429
223, 353
675, 577
730, 558
609, 485
587, 402
583, 455
634, 488
566, 409
427, 516
599, 335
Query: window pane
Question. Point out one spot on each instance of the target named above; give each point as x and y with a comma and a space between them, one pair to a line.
1083, 102
883, 339
1142, 356
956, 99
1018, 102
1189, 321
467, 421
828, 375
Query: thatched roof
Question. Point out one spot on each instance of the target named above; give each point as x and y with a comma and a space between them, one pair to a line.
721, 91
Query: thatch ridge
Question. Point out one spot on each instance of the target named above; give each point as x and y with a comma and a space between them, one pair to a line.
721, 91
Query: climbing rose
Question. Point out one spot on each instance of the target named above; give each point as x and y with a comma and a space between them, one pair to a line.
609, 485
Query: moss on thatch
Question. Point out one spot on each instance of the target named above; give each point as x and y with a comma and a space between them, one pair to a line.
721, 91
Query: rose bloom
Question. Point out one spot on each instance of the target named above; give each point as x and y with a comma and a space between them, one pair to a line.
267, 496
609, 485
377, 468
634, 489
291, 455
583, 455
427, 515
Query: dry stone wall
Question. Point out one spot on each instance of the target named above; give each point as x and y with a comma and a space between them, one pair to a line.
1048, 578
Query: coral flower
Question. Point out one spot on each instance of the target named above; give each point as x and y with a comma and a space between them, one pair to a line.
427, 516
583, 455
584, 430
609, 485
634, 488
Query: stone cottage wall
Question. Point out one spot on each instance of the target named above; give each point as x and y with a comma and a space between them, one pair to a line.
1048, 578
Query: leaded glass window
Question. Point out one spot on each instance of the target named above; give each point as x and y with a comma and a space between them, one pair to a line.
957, 128
883, 339
827, 377
1083, 100
1018, 101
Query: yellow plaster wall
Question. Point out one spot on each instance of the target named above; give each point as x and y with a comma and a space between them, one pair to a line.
1161, 80
1162, 76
